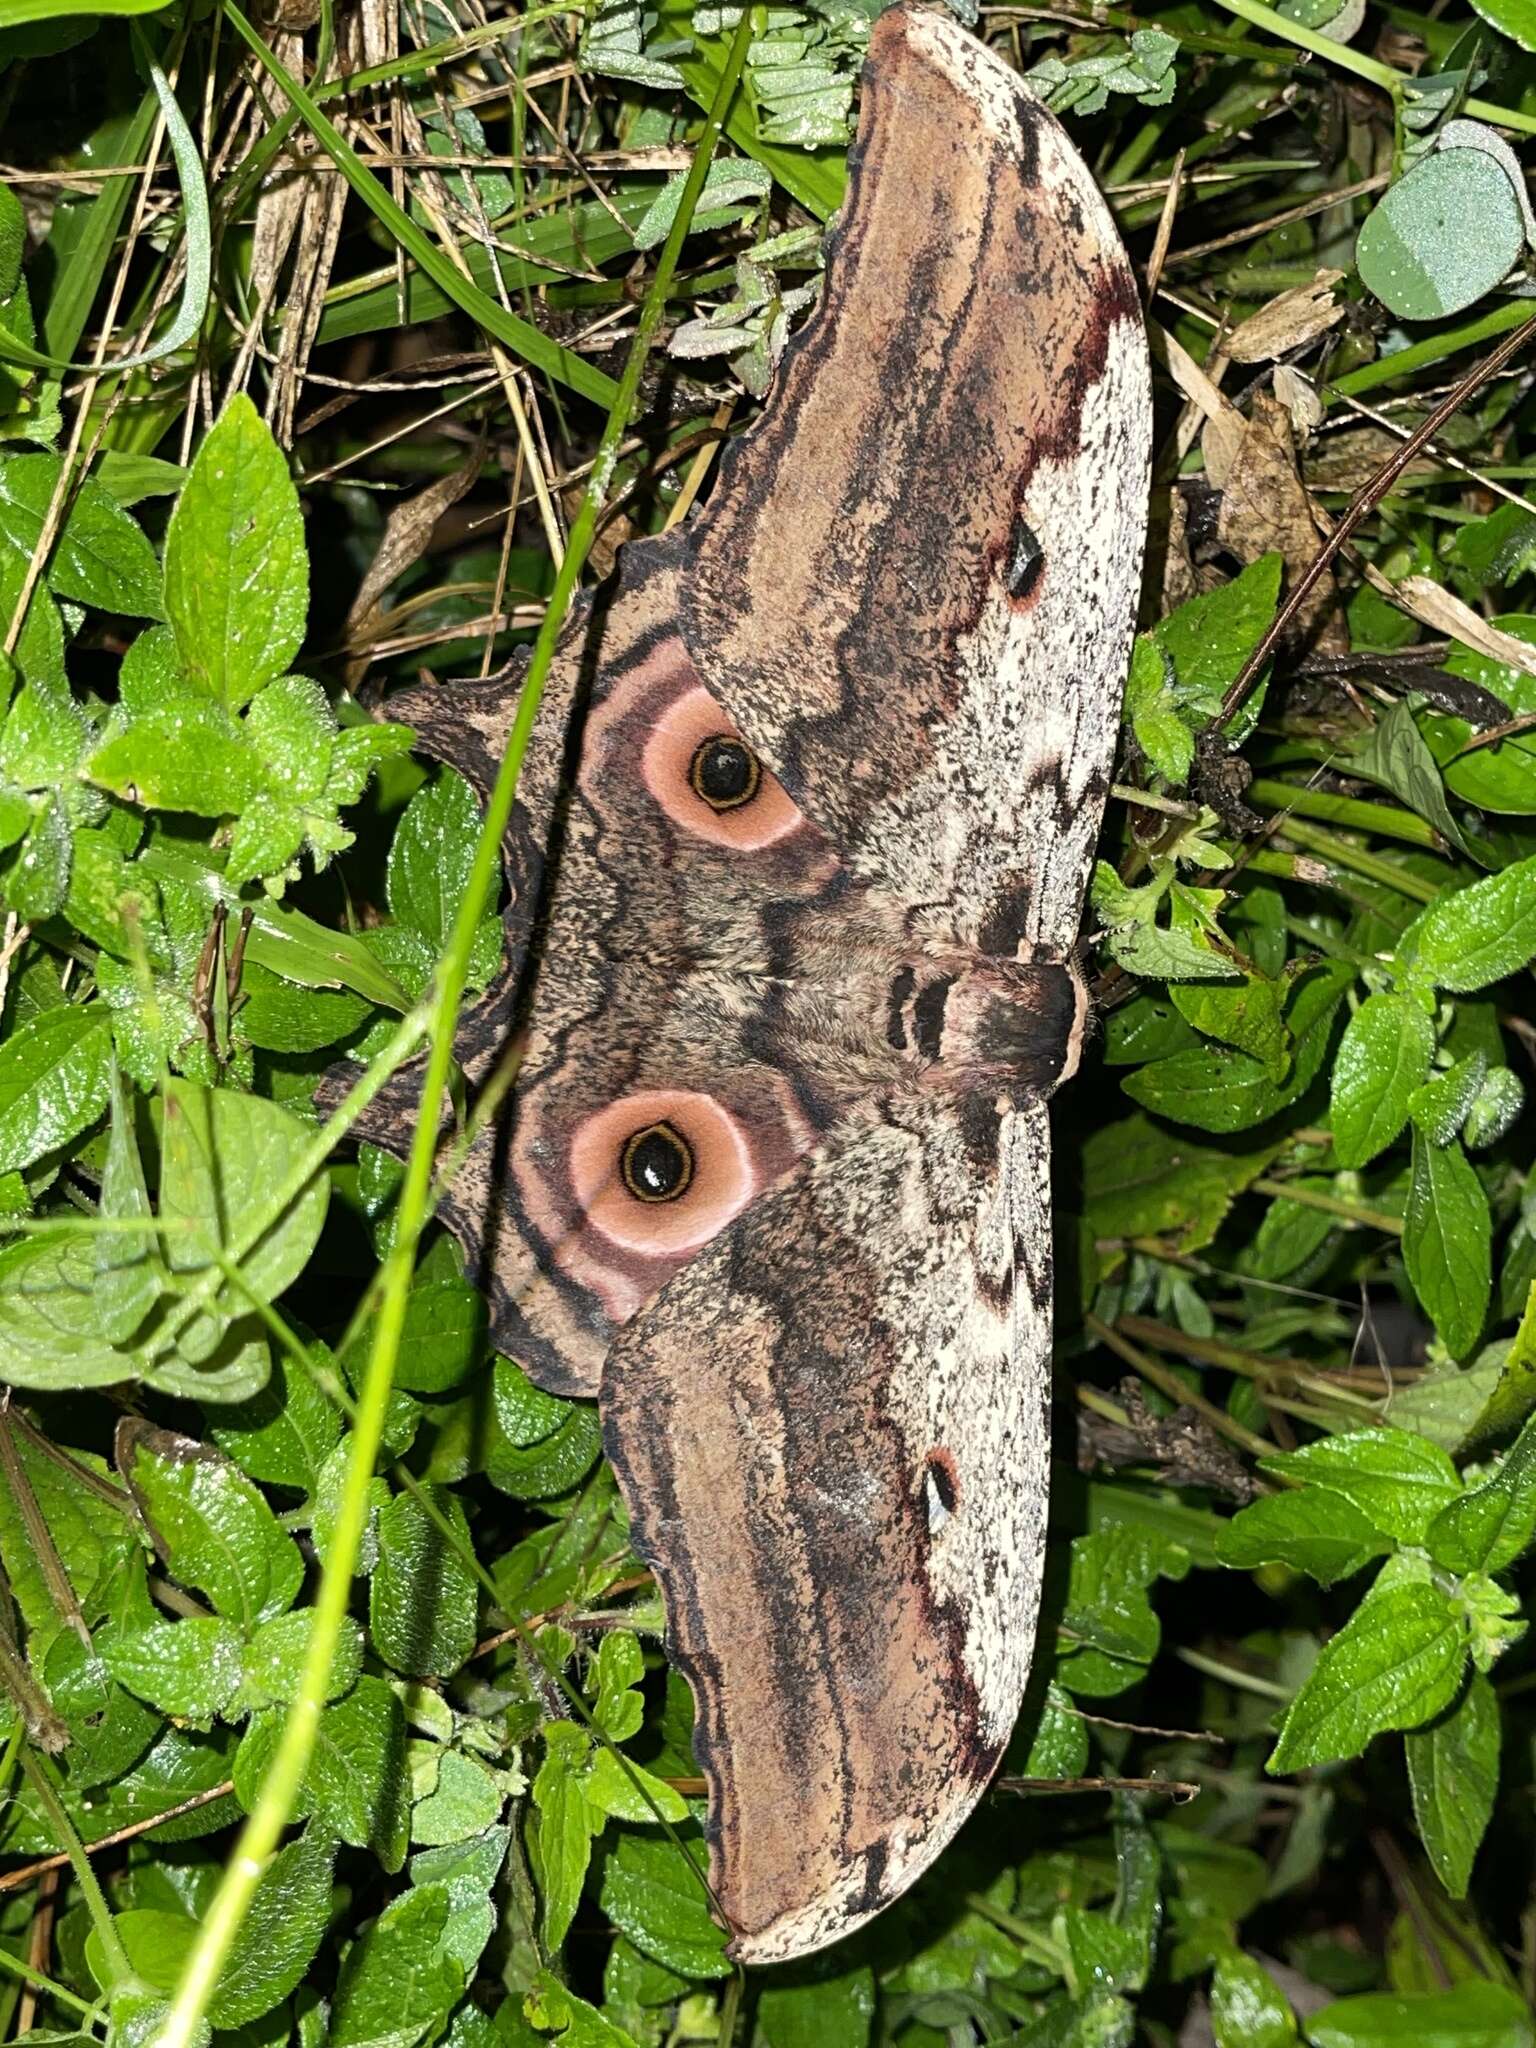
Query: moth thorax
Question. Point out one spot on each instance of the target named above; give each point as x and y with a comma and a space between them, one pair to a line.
984, 1023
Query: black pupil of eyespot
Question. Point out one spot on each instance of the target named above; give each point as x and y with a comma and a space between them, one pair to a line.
942, 1476
657, 1164
1026, 557
724, 772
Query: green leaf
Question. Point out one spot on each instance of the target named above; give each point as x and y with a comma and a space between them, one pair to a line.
569, 2019
55, 1073
1475, 936
1140, 1180
431, 855
833, 2009
236, 572
1396, 1662
188, 1668
396, 1985
1488, 1527
1248, 2008
1473, 2014
274, 1659
566, 1826
445, 1324
1223, 1090
650, 1894
422, 1599
280, 1934
281, 1016
1247, 1014
214, 1530
1152, 708
283, 1434
1442, 236
1209, 637
1397, 756
1513, 18
1382, 1058
1498, 778
620, 1787
1453, 1769
1320, 1533
620, 1668
224, 1154
356, 1784
1058, 1747
1398, 1481
101, 556
1440, 1107
1447, 1235
466, 1800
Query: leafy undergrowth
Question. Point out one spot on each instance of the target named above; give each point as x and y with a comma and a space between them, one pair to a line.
343, 364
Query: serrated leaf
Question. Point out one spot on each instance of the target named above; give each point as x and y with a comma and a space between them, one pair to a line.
280, 1934
1397, 756
835, 2009
567, 1824
422, 1599
101, 557
1382, 1058
1453, 1769
213, 1528
396, 1985
355, 1785
1398, 1481
1320, 1533
431, 855
223, 1156
1219, 1089
1395, 1663
1475, 936
1447, 1235
236, 572
651, 1895
1486, 1528
1140, 1180
283, 1434
55, 1073
189, 1668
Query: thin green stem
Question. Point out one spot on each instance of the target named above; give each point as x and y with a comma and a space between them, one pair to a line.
1353, 812
1331, 1205
1240, 1681
267, 1820
1346, 59
1347, 855
39, 1774
15, 1967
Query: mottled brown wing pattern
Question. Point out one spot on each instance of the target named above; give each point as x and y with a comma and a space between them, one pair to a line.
650, 940
773, 1178
832, 1432
916, 580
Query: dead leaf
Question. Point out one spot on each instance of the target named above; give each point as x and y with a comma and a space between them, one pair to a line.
1223, 431
1289, 321
1264, 506
1295, 392
407, 531
1443, 612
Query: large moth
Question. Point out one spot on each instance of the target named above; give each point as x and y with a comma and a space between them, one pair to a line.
795, 872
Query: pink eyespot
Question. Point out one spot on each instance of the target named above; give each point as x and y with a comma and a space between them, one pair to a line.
660, 1172
708, 780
